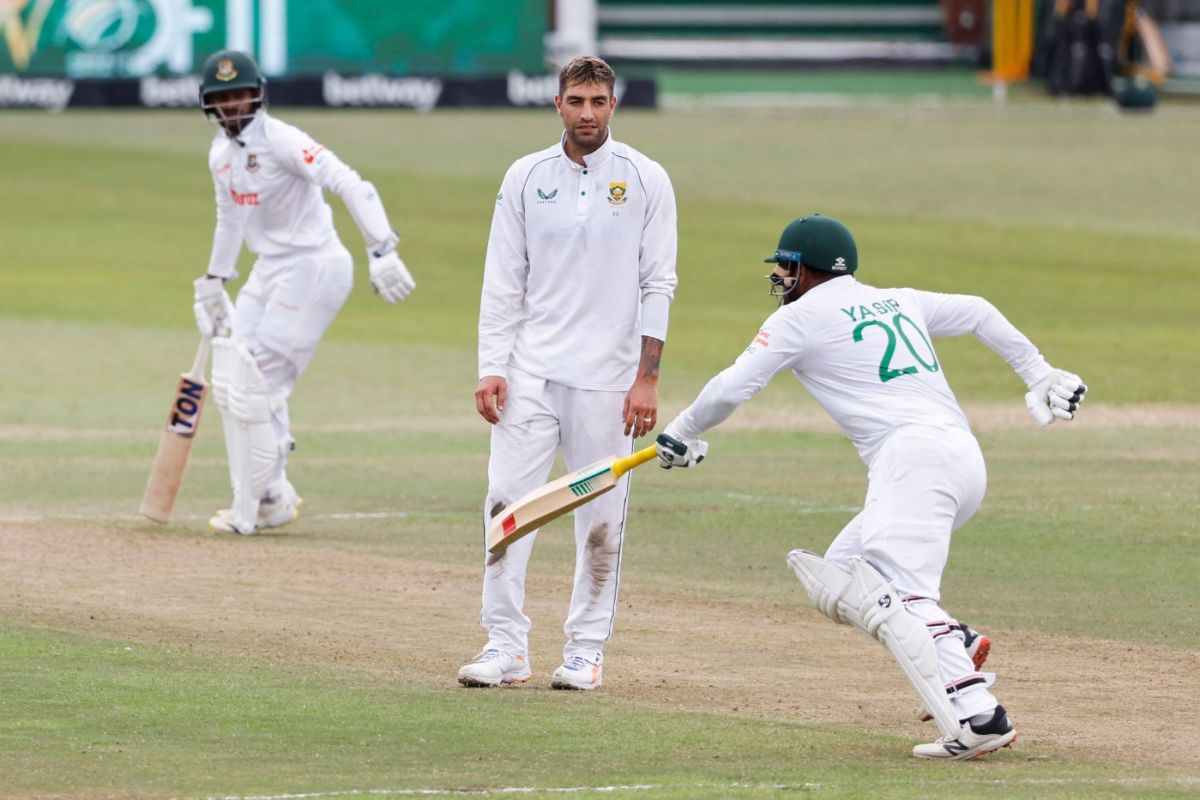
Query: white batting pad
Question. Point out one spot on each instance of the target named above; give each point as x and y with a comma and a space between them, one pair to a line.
830, 587
241, 395
907, 639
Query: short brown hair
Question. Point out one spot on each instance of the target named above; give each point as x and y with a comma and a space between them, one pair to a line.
586, 69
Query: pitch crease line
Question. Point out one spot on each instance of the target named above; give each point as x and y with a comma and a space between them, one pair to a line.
444, 792
1185, 780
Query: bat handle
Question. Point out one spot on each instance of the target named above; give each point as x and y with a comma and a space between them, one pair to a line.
200, 363
623, 465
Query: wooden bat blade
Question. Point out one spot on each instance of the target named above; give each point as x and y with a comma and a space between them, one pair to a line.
173, 449
548, 503
551, 501
1156, 49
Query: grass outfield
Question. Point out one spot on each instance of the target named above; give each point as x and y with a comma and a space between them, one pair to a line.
147, 662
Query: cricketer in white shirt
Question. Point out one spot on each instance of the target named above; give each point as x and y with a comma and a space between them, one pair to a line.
578, 280
269, 179
867, 356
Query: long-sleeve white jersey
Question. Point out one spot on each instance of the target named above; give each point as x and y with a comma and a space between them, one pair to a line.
580, 265
268, 184
866, 355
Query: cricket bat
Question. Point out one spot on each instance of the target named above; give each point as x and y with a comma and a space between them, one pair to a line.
558, 497
1156, 49
176, 443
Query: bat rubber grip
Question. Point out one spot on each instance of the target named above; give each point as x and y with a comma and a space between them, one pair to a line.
623, 465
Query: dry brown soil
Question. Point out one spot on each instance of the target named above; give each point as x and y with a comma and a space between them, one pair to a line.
416, 621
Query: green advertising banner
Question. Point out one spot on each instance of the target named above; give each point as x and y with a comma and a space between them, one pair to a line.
132, 38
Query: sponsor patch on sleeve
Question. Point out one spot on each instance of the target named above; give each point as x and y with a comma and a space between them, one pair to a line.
762, 341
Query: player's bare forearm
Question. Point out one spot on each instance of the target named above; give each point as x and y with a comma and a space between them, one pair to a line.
641, 403
651, 359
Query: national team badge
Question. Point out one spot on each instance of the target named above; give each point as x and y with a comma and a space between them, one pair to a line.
616, 194
225, 70
252, 164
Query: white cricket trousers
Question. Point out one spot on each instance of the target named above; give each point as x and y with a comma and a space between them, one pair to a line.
281, 314
540, 416
924, 484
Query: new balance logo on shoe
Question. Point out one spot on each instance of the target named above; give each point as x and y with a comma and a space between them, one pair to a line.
979, 736
955, 747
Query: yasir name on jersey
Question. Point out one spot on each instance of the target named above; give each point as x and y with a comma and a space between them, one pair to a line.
876, 309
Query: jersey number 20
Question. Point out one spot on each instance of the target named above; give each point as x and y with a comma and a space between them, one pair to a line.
886, 373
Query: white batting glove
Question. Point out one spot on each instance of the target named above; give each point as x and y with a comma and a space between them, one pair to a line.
679, 451
212, 307
1056, 396
390, 278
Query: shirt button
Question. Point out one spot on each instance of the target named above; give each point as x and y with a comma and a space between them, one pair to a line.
583, 193
585, 172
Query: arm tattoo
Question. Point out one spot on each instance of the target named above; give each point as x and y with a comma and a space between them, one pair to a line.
651, 357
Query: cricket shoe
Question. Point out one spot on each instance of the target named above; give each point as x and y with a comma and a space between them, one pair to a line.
274, 511
492, 667
979, 736
579, 672
277, 510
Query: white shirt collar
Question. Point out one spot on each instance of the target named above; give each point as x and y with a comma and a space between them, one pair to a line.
594, 159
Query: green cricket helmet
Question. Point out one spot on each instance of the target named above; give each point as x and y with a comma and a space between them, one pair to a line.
231, 69
820, 243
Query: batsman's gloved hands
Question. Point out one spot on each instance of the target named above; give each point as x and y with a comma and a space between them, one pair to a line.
678, 451
390, 278
1056, 396
212, 307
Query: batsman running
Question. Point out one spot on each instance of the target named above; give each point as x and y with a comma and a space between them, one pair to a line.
269, 178
866, 355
